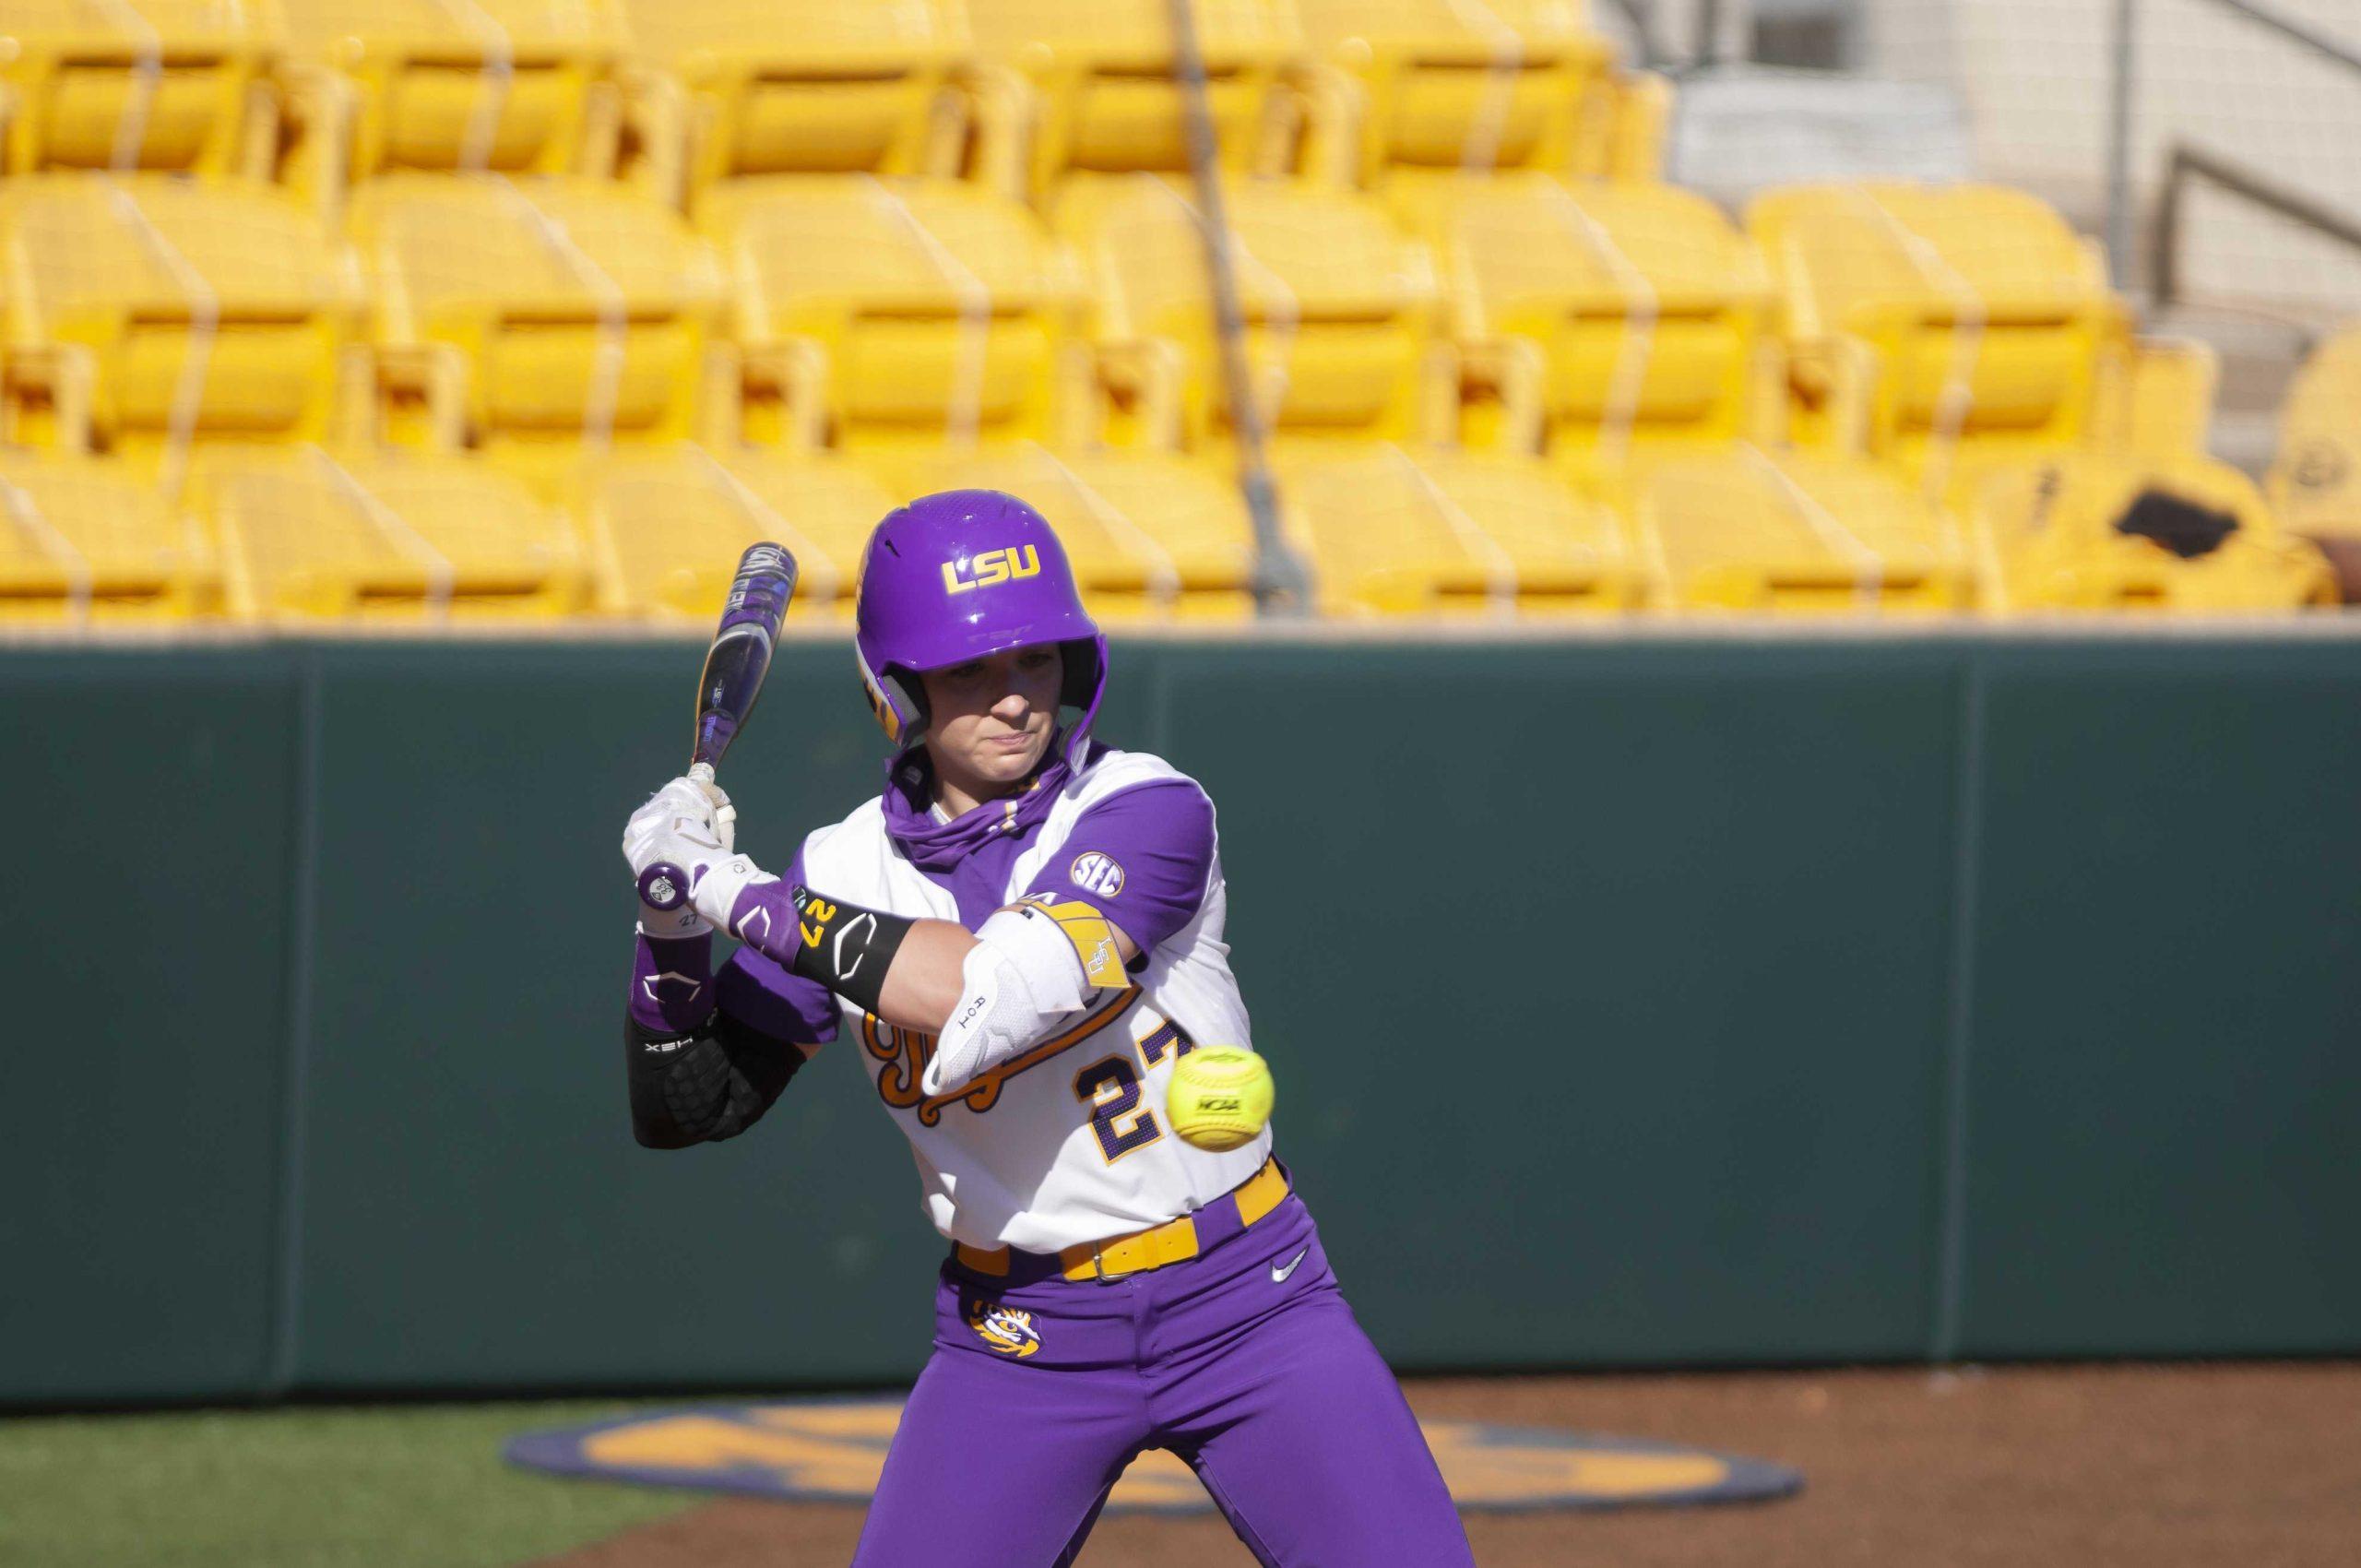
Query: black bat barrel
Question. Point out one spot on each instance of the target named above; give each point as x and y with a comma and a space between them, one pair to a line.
740, 655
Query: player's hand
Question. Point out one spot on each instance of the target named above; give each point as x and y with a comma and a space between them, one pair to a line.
683, 824
683, 804
685, 813
716, 796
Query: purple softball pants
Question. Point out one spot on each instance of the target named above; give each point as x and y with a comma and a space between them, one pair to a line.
1244, 1361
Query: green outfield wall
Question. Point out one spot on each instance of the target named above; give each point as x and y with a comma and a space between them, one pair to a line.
1656, 1001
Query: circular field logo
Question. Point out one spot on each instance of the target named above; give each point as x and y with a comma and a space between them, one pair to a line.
832, 1451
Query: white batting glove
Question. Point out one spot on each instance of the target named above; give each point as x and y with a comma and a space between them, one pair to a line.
684, 824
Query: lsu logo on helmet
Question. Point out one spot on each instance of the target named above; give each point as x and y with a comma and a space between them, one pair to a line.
969, 573
1006, 1330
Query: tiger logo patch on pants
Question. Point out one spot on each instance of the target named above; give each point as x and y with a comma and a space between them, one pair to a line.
1004, 1329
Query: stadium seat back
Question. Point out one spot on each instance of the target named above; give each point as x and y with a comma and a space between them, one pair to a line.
530, 371
667, 527
582, 313
1110, 103
1800, 535
1647, 306
512, 86
1511, 84
216, 312
1340, 311
1987, 320
2032, 377
314, 536
81, 539
1937, 249
1391, 532
1687, 385
939, 309
262, 379
149, 85
813, 86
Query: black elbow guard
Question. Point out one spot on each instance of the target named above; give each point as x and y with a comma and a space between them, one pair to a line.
846, 947
711, 1084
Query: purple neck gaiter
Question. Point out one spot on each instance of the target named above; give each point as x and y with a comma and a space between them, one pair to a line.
940, 846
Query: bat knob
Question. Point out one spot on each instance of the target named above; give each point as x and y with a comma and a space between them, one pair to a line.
663, 886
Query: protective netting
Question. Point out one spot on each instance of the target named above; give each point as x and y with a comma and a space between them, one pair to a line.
1505, 308
2215, 111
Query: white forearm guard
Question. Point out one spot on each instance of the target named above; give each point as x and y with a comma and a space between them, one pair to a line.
1034, 965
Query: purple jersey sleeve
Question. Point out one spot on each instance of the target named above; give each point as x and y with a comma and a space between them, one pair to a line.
1141, 857
759, 992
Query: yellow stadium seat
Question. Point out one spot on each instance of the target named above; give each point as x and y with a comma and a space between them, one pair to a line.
517, 87
534, 319
2315, 483
666, 528
1341, 316
1943, 327
400, 539
1796, 534
137, 85
763, 89
1609, 324
1354, 383
1153, 537
878, 317
1108, 102
199, 313
2055, 535
82, 541
1503, 85
1455, 534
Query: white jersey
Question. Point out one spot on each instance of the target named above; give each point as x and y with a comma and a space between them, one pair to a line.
1047, 1151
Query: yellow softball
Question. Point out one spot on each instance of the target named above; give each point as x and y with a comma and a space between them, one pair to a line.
1220, 1097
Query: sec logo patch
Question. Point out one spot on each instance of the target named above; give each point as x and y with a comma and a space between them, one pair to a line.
1094, 873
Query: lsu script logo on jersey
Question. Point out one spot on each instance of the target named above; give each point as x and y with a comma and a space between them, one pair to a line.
1094, 873
904, 1053
1006, 1330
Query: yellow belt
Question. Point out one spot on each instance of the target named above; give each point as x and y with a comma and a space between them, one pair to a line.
1173, 1242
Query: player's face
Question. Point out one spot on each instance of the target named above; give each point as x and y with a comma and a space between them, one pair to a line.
989, 720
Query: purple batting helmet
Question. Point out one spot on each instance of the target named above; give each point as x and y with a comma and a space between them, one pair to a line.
954, 576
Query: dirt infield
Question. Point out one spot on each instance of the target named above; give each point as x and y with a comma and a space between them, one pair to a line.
2029, 1468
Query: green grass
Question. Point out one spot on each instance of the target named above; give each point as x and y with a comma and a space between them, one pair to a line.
390, 1487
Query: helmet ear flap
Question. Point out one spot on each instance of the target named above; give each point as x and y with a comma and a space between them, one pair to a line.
1080, 686
912, 692
896, 698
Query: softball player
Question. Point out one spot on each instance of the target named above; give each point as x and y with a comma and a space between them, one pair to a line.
1020, 936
